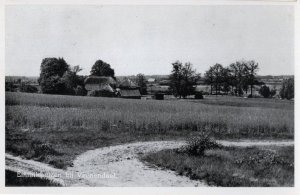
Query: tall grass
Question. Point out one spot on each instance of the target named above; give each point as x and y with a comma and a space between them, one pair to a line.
59, 113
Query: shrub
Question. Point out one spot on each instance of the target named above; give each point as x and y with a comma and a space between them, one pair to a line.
287, 89
273, 92
43, 149
80, 91
9, 86
198, 144
199, 95
265, 91
28, 88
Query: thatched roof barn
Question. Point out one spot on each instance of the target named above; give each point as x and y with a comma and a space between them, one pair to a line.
100, 84
128, 89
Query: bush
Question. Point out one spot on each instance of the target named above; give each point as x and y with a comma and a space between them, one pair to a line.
287, 89
272, 92
28, 88
9, 86
199, 95
265, 91
80, 91
41, 150
197, 145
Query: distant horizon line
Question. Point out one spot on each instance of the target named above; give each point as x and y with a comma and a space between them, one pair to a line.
153, 75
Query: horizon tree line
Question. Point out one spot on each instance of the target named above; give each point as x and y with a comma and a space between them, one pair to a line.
236, 78
58, 77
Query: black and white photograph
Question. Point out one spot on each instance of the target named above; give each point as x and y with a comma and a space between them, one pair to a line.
100, 95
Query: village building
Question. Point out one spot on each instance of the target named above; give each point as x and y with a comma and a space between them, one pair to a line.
205, 89
100, 86
128, 89
151, 80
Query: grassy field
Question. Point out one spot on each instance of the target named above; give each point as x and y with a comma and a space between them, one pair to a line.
253, 166
54, 128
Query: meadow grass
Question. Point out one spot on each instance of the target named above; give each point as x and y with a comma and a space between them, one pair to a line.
247, 102
242, 167
71, 125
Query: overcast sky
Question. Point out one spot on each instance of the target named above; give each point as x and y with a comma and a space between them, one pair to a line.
147, 39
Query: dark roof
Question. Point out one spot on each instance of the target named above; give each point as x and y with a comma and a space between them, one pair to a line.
130, 93
99, 80
128, 84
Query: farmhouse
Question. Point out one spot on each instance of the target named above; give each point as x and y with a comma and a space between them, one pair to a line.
128, 89
151, 80
202, 88
100, 85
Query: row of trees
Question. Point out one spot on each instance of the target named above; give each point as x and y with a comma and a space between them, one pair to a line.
58, 77
237, 78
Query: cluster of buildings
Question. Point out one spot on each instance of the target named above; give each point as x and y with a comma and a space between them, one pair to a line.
124, 88
109, 87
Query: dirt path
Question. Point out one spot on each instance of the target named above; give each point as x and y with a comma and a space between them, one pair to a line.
119, 165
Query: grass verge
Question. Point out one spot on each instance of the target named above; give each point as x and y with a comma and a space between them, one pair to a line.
232, 166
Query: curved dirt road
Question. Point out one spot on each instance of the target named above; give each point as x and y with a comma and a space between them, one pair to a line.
122, 162
119, 165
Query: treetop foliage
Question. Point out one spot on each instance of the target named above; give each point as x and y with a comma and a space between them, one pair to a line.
183, 78
287, 89
237, 77
101, 68
58, 77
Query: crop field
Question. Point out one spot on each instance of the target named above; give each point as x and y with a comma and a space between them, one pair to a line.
70, 125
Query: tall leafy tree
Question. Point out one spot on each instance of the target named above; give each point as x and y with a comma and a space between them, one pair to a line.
226, 79
71, 80
287, 89
215, 77
101, 68
251, 71
183, 78
52, 70
142, 83
209, 78
175, 78
238, 71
